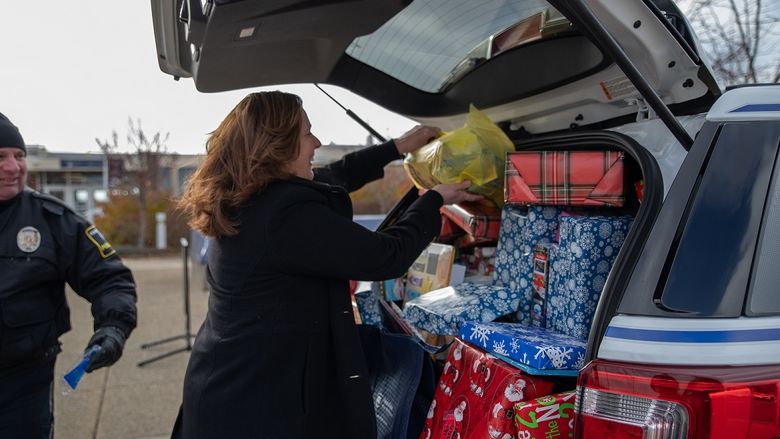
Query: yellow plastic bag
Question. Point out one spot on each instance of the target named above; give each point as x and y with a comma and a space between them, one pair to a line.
475, 152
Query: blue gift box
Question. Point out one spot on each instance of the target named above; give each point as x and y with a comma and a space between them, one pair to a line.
521, 229
442, 311
535, 350
368, 306
586, 251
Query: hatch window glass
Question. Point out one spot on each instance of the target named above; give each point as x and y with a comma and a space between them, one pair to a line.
710, 272
433, 43
764, 297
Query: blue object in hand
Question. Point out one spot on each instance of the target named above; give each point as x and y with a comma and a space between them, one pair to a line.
73, 377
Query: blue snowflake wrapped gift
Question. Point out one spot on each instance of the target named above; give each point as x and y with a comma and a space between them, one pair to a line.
368, 306
586, 251
537, 351
442, 311
521, 229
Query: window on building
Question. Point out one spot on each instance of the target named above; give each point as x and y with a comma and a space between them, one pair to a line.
100, 196
55, 178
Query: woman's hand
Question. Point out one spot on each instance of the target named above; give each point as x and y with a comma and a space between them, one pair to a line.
415, 138
456, 193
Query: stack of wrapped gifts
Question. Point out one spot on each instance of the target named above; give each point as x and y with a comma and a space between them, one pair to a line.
476, 396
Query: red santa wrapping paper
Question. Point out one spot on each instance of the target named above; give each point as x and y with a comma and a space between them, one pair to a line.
476, 395
550, 417
570, 178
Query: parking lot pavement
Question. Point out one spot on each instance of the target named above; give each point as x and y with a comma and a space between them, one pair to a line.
126, 401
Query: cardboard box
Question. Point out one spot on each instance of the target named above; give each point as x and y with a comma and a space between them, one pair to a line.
392, 289
430, 271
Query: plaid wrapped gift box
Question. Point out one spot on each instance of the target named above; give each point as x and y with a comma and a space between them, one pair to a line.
566, 178
534, 349
442, 311
476, 396
449, 230
481, 220
586, 251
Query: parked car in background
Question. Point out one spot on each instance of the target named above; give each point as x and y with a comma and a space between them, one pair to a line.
685, 339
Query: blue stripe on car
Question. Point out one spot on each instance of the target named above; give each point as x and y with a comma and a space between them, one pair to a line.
745, 335
756, 107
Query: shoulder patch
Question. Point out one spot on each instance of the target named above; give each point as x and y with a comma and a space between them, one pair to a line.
100, 242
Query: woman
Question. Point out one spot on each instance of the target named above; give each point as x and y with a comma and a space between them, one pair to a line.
278, 355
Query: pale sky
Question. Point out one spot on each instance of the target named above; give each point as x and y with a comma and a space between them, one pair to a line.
74, 71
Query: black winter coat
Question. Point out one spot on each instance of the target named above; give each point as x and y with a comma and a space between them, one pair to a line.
278, 355
43, 245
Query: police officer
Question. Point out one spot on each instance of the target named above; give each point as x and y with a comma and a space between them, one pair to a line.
44, 244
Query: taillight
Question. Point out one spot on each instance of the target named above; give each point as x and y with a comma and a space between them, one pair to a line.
621, 400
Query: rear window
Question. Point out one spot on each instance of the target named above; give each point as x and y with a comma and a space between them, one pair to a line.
709, 274
764, 295
433, 43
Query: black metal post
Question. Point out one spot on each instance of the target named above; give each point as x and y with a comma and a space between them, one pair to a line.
187, 336
186, 259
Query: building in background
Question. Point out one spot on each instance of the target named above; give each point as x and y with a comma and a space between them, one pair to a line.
84, 180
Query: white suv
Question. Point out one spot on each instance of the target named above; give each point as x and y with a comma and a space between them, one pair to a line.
685, 341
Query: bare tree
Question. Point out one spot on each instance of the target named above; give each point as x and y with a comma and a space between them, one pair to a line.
142, 166
739, 38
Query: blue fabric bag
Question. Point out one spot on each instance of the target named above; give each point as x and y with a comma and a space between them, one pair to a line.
402, 381
401, 372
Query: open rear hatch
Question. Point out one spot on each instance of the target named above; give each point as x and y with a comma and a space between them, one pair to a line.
554, 77
536, 66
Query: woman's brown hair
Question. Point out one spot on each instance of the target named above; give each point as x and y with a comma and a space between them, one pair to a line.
250, 148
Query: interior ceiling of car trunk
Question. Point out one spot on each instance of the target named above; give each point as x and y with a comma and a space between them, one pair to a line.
251, 44
427, 59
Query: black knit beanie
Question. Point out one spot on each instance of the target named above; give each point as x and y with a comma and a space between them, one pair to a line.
9, 135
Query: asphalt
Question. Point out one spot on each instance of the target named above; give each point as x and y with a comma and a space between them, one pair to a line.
126, 401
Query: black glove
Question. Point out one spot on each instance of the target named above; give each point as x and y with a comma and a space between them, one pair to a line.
111, 341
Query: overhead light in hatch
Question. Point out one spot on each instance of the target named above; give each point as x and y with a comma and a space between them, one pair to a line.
247, 32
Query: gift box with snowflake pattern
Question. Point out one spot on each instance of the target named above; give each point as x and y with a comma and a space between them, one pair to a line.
537, 348
368, 307
521, 229
586, 251
476, 395
442, 311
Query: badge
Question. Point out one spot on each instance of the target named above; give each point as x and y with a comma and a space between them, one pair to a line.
97, 238
28, 239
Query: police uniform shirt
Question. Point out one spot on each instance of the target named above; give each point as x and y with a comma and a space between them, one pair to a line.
43, 245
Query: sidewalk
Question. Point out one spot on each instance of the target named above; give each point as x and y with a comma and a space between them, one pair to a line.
125, 401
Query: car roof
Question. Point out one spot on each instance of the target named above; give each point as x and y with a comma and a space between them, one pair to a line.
531, 64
